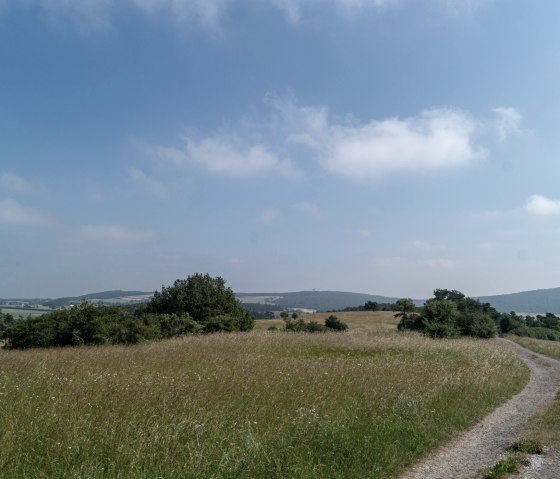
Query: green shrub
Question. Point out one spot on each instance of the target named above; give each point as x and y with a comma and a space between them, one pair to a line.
300, 326
449, 314
335, 324
204, 299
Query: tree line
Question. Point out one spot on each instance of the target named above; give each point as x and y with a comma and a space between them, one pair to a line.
198, 304
449, 313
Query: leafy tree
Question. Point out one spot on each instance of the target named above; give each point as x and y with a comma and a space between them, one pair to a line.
371, 306
449, 314
204, 298
407, 312
6, 321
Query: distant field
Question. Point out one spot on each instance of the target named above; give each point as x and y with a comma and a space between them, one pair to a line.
356, 320
16, 312
362, 404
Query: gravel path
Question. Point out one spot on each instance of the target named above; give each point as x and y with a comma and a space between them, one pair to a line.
484, 444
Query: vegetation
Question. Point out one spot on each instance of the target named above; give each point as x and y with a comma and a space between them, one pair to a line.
448, 314
6, 322
509, 465
206, 300
548, 348
246, 405
295, 325
90, 323
538, 327
198, 304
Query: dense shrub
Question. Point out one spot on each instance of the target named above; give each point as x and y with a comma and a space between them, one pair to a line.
537, 333
206, 300
447, 315
6, 321
93, 324
335, 324
298, 325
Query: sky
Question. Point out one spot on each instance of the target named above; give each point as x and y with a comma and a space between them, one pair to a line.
380, 146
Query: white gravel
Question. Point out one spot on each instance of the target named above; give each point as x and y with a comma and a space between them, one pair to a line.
484, 444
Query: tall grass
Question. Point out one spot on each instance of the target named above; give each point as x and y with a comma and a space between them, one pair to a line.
542, 346
254, 405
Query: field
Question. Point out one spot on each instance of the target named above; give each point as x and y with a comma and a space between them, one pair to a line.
356, 320
339, 405
549, 348
23, 313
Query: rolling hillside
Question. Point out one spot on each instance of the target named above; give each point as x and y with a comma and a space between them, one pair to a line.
537, 301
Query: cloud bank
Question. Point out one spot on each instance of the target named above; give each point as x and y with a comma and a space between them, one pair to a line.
11, 211
435, 139
542, 206
97, 15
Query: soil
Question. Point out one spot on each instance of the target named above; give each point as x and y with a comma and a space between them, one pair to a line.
485, 444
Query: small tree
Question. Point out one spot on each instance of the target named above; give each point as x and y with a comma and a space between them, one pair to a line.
204, 298
407, 312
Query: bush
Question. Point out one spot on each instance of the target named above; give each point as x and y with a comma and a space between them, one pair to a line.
300, 326
450, 314
335, 324
205, 299
93, 324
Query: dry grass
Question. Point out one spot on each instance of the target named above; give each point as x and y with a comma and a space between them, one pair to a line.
548, 348
356, 320
251, 405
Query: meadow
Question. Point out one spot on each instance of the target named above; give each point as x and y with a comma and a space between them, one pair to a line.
361, 404
548, 348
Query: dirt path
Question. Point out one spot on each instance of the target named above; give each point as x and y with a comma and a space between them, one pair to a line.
483, 445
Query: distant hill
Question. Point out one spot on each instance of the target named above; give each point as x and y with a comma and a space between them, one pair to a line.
318, 300
537, 301
112, 297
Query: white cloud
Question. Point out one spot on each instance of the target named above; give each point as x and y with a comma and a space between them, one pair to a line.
437, 138
115, 234
507, 122
14, 183
151, 185
13, 212
171, 155
542, 206
229, 156
97, 15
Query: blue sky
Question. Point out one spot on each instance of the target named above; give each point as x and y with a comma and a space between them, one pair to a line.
381, 146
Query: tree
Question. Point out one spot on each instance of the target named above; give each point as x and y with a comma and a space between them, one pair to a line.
206, 300
407, 313
450, 313
371, 306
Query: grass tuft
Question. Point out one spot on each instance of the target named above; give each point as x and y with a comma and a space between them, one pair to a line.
526, 447
509, 465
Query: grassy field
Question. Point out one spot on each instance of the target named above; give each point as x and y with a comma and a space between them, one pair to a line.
356, 320
362, 404
23, 313
549, 348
